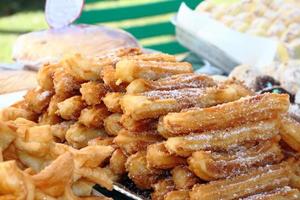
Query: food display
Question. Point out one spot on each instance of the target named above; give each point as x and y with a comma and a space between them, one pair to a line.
49, 46
148, 119
278, 19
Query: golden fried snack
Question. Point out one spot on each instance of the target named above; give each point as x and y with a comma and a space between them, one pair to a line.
92, 156
45, 76
140, 125
108, 74
183, 178
152, 57
14, 184
101, 176
257, 181
21, 124
116, 54
59, 130
50, 116
10, 153
85, 68
131, 142
93, 117
38, 99
82, 187
1, 155
161, 188
174, 82
92, 92
101, 140
209, 165
112, 124
7, 135
39, 195
153, 104
33, 145
117, 162
177, 195
290, 132
46, 118
78, 135
35, 140
112, 101
159, 158
70, 194
222, 139
128, 69
53, 179
86, 162
248, 109
283, 193
139, 173
70, 108
17, 110
295, 177
52, 108
65, 85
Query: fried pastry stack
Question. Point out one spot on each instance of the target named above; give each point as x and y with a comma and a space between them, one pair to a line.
65, 128
148, 117
220, 141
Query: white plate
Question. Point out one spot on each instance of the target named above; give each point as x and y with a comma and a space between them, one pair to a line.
10, 98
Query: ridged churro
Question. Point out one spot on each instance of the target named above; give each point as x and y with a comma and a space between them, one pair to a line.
170, 83
161, 188
283, 193
290, 132
183, 178
153, 104
129, 69
158, 157
138, 171
140, 125
177, 195
257, 181
209, 165
131, 142
222, 139
248, 109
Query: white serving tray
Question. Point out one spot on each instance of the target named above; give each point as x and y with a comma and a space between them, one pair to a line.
223, 47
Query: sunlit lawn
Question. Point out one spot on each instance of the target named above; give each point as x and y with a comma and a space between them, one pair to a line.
12, 26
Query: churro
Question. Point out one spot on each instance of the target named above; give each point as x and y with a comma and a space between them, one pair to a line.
153, 104
222, 139
248, 109
174, 82
209, 165
257, 181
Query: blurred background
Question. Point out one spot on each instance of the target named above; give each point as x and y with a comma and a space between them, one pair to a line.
148, 20
17, 17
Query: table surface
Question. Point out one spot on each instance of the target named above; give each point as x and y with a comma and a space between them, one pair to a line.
16, 80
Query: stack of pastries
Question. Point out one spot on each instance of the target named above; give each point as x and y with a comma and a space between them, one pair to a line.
278, 19
147, 117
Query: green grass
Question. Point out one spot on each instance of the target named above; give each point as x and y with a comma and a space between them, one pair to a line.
12, 26
225, 1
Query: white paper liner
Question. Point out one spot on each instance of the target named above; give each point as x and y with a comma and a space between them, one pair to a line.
222, 46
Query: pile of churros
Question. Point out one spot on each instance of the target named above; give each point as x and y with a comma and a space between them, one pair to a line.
147, 117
